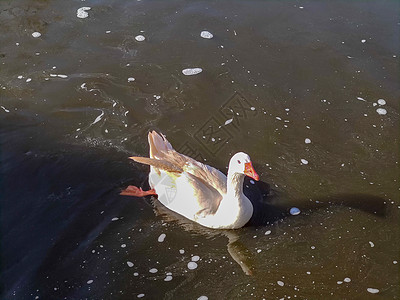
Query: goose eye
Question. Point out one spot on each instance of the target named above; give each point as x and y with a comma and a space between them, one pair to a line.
239, 162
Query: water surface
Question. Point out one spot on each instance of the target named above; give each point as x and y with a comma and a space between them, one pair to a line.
295, 84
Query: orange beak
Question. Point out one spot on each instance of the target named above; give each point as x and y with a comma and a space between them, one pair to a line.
249, 171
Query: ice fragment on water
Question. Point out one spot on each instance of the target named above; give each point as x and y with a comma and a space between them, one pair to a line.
140, 295
5, 109
114, 219
347, 279
372, 290
161, 238
191, 265
131, 79
206, 35
361, 99
363, 41
229, 121
153, 270
371, 244
90, 281
195, 258
304, 161
307, 141
130, 264
280, 283
268, 232
381, 102
36, 34
192, 71
168, 278
98, 118
140, 38
294, 211
202, 298
381, 111
82, 12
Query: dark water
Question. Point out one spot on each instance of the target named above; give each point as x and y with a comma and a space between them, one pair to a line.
301, 81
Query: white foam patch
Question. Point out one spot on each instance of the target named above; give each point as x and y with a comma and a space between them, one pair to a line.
206, 34
36, 34
161, 238
140, 38
192, 71
372, 290
82, 12
192, 265
381, 111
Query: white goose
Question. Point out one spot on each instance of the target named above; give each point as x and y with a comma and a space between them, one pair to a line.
194, 190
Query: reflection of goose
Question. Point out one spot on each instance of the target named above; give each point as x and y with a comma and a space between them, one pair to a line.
198, 192
238, 251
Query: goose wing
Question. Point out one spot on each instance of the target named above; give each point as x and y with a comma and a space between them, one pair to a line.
161, 149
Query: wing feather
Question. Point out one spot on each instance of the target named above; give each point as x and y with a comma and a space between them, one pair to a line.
170, 160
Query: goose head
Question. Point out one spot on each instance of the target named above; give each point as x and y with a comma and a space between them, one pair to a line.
240, 163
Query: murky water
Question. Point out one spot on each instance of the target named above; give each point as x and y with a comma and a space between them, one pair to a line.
296, 84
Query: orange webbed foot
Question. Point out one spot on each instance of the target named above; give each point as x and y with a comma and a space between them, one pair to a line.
134, 191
